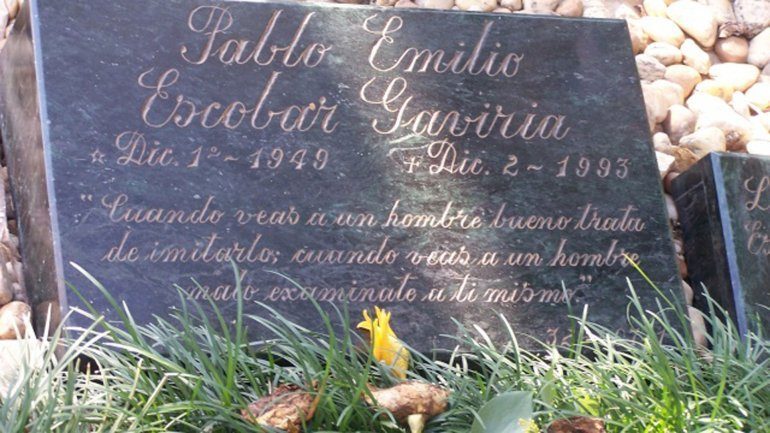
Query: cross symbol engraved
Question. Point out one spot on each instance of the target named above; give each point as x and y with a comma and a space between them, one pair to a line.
97, 157
412, 164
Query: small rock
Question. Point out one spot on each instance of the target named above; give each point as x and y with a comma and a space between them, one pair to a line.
758, 130
758, 95
595, 9
679, 122
736, 128
540, 5
287, 408
688, 293
4, 18
701, 102
694, 57
671, 211
683, 159
514, 5
764, 120
739, 75
6, 294
658, 97
528, 12
661, 142
672, 91
665, 161
758, 147
570, 8
698, 326
733, 49
10, 7
705, 140
13, 317
407, 4
639, 39
720, 89
723, 10
697, 20
655, 105
478, 5
740, 104
683, 75
759, 49
435, 4
655, 8
577, 424
713, 58
753, 16
666, 54
626, 12
662, 30
650, 69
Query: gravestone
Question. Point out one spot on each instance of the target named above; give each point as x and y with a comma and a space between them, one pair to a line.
440, 165
724, 204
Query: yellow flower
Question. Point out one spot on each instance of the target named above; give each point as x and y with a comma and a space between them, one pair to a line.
386, 347
529, 426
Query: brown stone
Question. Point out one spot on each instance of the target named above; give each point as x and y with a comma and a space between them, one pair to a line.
513, 5
577, 424
684, 159
732, 49
6, 292
649, 68
406, 4
699, 331
287, 408
683, 75
13, 317
687, 292
704, 141
436, 4
679, 122
570, 8
639, 39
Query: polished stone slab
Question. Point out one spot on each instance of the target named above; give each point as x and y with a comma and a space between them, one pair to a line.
442, 165
724, 209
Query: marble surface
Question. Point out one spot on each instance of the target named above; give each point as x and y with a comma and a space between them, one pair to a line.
343, 148
724, 206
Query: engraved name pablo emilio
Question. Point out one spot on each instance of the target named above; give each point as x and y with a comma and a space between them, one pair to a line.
167, 106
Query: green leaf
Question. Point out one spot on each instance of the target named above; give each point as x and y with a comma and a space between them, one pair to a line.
586, 402
504, 413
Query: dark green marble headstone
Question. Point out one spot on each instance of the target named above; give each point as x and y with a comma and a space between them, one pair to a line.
724, 209
441, 165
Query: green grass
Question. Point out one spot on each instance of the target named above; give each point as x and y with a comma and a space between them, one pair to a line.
188, 373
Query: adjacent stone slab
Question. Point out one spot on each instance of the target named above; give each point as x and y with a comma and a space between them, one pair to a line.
441, 165
724, 209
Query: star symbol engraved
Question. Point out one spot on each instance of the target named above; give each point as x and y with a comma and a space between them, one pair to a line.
97, 157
